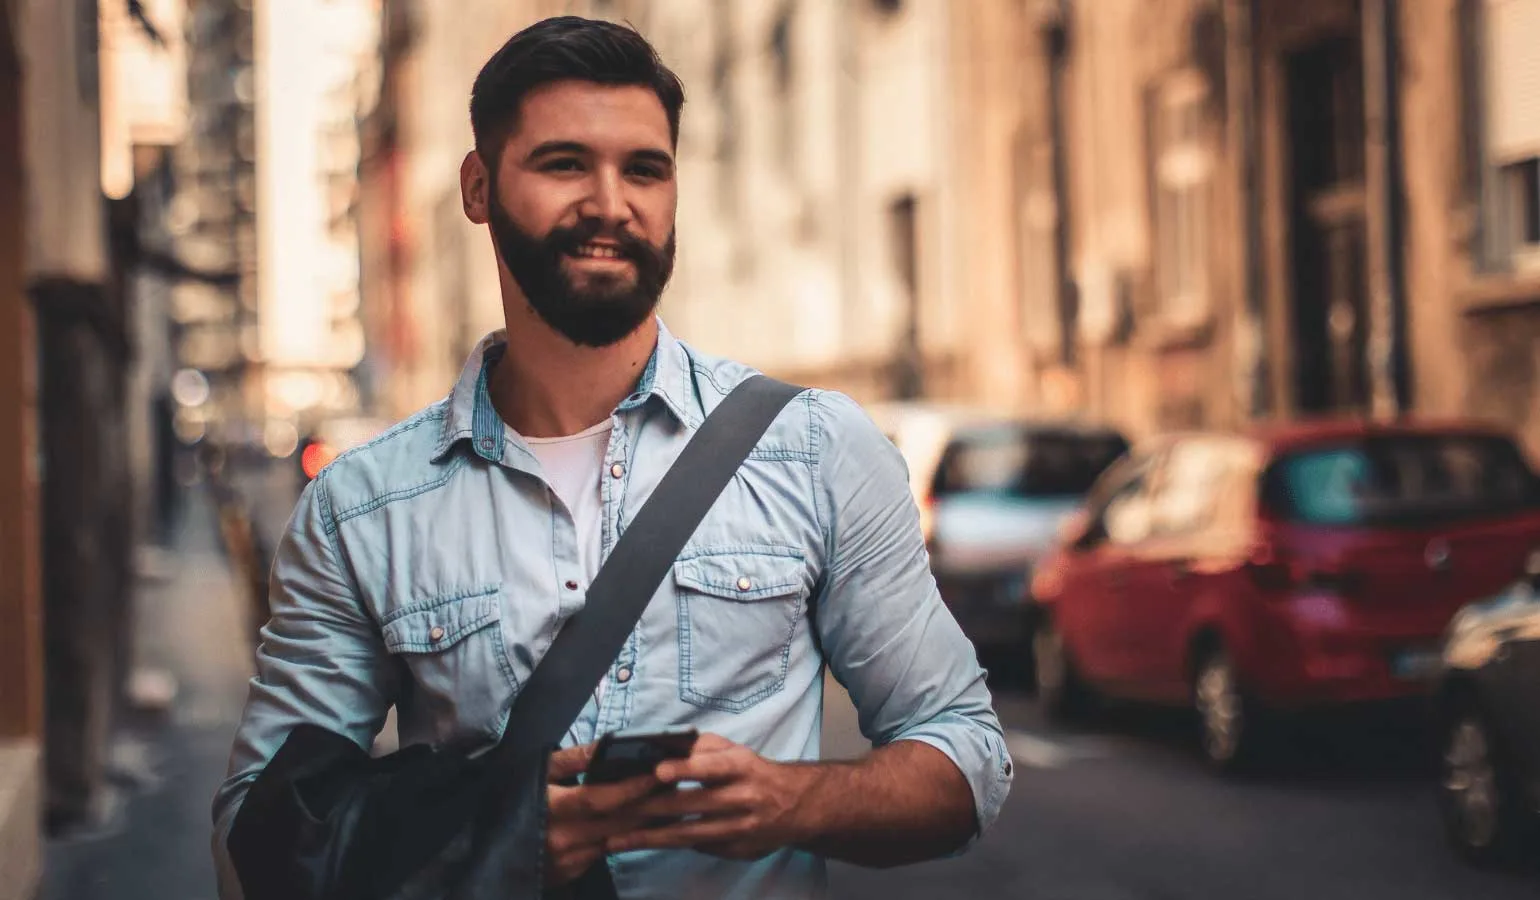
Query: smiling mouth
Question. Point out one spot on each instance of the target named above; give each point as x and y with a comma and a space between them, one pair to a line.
598, 251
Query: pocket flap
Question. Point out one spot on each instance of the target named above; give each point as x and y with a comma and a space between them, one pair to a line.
742, 574
440, 624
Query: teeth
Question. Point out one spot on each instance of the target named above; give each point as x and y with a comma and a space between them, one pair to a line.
598, 252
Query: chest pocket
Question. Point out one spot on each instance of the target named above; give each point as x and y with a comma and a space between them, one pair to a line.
738, 610
453, 647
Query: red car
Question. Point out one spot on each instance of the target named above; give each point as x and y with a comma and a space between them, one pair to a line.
1307, 565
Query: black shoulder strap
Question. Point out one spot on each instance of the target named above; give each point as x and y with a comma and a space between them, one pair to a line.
586, 646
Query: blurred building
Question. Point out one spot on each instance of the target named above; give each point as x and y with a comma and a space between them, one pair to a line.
21, 664
1163, 213
144, 115
309, 62
816, 195
1250, 208
212, 223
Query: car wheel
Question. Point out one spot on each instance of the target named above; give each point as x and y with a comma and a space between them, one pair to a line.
1482, 816
1228, 721
1061, 691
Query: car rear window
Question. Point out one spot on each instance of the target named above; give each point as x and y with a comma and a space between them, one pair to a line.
1024, 462
1402, 478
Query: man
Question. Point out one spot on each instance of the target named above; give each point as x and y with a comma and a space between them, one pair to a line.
431, 568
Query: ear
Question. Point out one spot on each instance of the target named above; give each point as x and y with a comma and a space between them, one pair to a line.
475, 186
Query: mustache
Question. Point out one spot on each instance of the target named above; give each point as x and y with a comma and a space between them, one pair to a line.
569, 240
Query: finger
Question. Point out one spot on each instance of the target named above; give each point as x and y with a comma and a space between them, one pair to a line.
711, 743
585, 835
708, 768
596, 801
682, 834
568, 762
712, 801
607, 799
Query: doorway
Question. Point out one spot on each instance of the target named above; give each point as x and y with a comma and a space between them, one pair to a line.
1328, 212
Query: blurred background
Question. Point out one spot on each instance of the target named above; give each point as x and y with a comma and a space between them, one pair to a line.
1038, 238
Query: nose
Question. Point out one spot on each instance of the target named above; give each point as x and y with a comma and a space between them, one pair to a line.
607, 200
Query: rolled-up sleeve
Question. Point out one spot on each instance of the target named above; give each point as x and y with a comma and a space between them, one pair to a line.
322, 661
889, 639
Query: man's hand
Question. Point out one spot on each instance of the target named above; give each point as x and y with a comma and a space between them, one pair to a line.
746, 806
581, 819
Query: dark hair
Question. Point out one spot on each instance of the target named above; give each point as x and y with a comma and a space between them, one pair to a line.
558, 49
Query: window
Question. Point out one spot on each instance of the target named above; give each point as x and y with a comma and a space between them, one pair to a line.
1187, 493
1127, 519
1027, 463
722, 89
1038, 216
1520, 186
1505, 134
1405, 479
1182, 164
783, 77
1119, 504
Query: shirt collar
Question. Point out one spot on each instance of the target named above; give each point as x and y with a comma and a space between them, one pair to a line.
471, 416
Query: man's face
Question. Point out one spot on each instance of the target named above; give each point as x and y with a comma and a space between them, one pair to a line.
582, 207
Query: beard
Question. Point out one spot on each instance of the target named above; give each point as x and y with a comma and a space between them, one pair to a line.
607, 307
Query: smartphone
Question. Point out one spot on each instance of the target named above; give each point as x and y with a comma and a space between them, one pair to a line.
620, 756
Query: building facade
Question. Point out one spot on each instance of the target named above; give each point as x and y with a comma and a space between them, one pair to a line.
21, 646
1158, 213
1225, 211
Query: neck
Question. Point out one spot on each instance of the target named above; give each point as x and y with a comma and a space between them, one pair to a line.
547, 386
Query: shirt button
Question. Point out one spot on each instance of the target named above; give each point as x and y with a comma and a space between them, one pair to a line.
486, 443
617, 470
436, 634
744, 583
572, 585
623, 674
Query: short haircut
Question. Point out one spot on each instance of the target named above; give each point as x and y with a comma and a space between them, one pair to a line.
561, 49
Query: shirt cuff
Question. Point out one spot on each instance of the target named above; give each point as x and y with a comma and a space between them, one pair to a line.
980, 754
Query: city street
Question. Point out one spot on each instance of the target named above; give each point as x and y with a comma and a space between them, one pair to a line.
1124, 811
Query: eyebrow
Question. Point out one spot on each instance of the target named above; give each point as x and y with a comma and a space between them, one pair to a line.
551, 148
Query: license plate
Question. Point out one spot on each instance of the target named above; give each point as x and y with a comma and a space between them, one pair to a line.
1416, 665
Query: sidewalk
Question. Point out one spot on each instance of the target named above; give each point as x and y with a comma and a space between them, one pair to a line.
157, 845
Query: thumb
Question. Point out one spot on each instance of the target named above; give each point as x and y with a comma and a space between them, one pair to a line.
569, 762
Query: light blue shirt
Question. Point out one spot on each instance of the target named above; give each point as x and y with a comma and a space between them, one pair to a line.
432, 567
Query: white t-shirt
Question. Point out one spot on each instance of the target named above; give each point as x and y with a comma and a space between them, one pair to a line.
574, 468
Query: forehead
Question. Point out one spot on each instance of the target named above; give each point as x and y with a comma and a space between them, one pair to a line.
606, 117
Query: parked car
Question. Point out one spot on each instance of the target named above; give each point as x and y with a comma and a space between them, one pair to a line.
1489, 712
1302, 566
993, 492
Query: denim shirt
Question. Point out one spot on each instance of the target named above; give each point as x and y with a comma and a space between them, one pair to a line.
432, 567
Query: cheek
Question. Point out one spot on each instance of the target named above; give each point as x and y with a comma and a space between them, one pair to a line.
656, 215
535, 206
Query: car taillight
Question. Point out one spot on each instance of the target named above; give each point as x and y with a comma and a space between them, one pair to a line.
316, 457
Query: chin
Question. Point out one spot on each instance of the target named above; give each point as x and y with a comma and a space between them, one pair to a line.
602, 287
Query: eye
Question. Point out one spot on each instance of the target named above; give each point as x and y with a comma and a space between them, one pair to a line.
648, 171
563, 164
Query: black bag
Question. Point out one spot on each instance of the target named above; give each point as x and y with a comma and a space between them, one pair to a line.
325, 821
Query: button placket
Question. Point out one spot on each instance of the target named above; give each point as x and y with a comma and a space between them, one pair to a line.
614, 711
